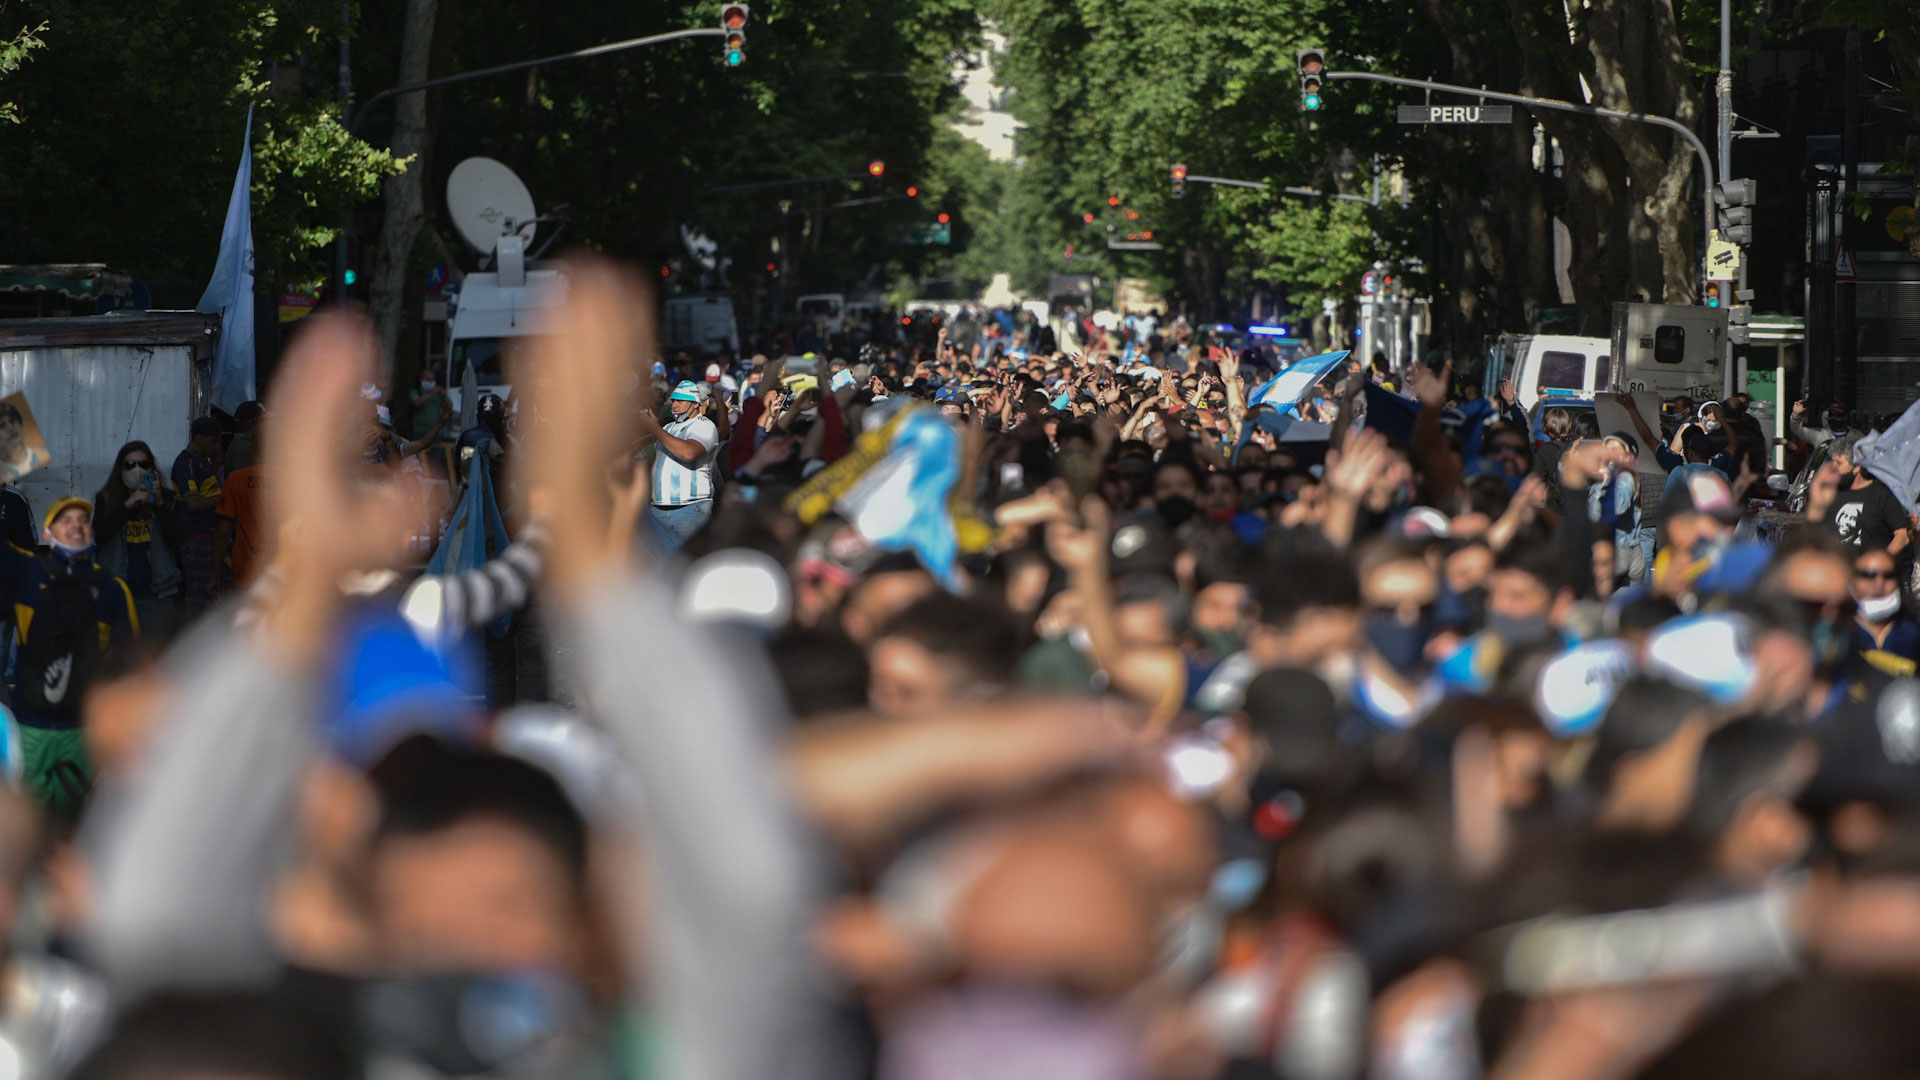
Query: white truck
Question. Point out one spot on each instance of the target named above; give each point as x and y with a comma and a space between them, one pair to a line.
493, 316
97, 382
1663, 349
700, 321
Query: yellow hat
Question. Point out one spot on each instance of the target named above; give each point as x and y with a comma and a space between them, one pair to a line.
801, 382
65, 503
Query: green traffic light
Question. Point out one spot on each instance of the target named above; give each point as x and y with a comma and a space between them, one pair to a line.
734, 57
353, 276
1312, 102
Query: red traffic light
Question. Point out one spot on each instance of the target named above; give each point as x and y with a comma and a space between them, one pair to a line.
1113, 200
942, 219
733, 16
664, 272
913, 193
876, 167
1087, 217
906, 320
1179, 172
772, 269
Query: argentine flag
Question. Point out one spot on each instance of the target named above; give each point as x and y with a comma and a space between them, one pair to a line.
230, 293
896, 488
1285, 390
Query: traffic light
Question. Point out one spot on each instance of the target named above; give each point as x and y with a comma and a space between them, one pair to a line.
1736, 199
1313, 71
1713, 294
943, 218
1740, 318
876, 168
1113, 200
733, 20
913, 192
352, 276
1179, 181
1087, 217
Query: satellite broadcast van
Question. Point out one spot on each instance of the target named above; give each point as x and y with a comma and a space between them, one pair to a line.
497, 310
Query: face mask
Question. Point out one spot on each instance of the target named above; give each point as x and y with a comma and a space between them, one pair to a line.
1399, 644
77, 554
501, 1025
426, 384
1515, 631
1881, 609
131, 475
1220, 643
1710, 426
1709, 548
1175, 510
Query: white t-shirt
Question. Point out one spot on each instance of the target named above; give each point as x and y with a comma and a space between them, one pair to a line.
675, 484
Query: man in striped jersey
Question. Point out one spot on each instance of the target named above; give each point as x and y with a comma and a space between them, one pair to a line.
682, 468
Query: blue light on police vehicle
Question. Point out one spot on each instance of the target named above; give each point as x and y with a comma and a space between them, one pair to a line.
1268, 331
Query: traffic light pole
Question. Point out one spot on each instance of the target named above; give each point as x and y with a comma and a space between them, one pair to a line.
1260, 185
1699, 148
359, 115
760, 185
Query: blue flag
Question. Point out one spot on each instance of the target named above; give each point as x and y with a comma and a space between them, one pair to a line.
230, 293
476, 533
1285, 390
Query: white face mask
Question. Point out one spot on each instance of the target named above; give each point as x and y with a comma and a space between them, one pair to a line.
1710, 426
131, 475
1881, 609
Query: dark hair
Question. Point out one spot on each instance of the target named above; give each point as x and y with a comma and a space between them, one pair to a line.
978, 634
820, 670
1302, 574
1543, 563
1645, 713
1736, 762
116, 491
427, 786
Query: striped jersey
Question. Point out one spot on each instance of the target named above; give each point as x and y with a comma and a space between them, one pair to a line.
675, 484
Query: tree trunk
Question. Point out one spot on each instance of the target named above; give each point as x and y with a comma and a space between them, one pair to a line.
406, 204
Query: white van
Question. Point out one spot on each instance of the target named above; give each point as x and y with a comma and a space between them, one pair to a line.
1551, 365
702, 321
827, 310
491, 320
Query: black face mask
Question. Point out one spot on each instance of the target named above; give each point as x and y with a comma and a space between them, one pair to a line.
1400, 644
1175, 510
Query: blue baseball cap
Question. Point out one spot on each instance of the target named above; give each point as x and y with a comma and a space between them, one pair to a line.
947, 393
388, 686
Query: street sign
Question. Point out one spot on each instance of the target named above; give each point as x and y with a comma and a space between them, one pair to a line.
1723, 258
1843, 271
929, 233
1456, 114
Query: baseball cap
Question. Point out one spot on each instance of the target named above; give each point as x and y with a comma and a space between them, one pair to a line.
63, 504
388, 686
1702, 491
1709, 653
686, 391
203, 425
1575, 688
947, 393
713, 372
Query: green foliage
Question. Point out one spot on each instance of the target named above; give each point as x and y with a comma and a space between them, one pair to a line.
134, 116
15, 51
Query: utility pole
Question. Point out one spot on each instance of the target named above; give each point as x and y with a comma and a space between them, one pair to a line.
346, 104
1724, 128
1846, 373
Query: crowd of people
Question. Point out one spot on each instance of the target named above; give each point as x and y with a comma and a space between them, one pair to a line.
1068, 702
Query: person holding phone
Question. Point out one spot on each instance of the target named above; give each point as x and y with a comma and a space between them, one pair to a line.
136, 522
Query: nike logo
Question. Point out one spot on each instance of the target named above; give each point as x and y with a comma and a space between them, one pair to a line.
58, 673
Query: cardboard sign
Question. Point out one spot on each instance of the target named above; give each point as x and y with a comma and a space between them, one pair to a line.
22, 447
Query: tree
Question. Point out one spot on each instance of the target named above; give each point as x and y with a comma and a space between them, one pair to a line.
406, 193
15, 51
132, 114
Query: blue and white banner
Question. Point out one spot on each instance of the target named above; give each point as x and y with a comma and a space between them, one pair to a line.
896, 487
230, 293
1285, 390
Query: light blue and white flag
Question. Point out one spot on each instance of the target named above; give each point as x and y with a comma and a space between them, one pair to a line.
230, 293
1285, 390
896, 488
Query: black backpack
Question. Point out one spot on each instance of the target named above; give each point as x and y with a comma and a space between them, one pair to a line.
63, 641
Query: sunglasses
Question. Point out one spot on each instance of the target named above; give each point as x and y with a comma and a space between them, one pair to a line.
1875, 575
136, 464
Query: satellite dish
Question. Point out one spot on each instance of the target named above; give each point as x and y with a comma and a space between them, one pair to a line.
487, 201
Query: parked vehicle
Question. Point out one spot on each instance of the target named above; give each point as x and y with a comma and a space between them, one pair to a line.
702, 322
